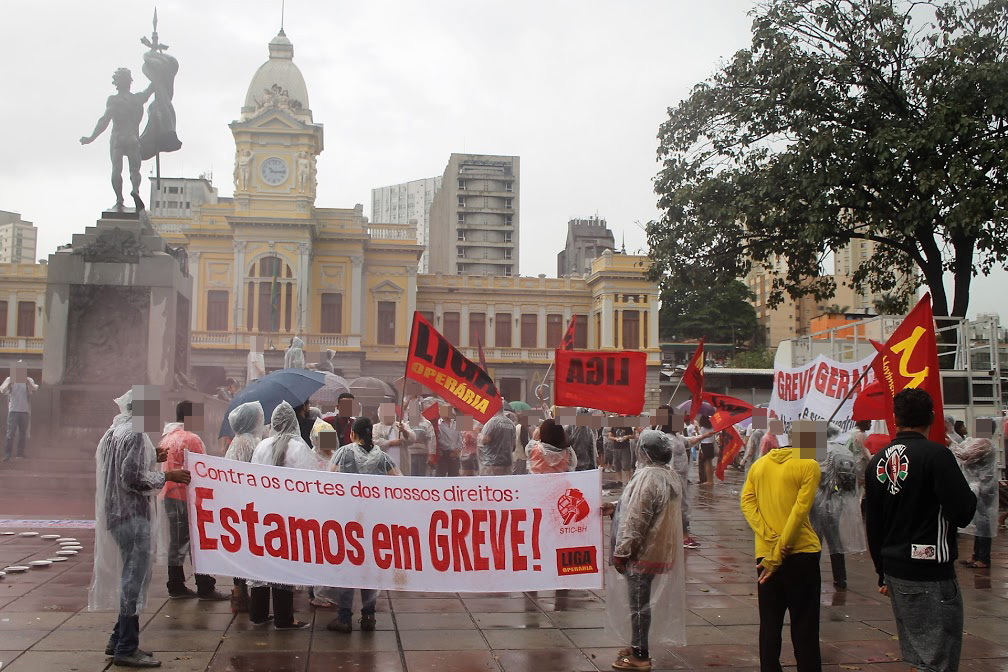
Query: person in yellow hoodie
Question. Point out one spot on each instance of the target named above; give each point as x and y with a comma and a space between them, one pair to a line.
776, 499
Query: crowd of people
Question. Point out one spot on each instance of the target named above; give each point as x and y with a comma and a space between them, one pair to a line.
849, 498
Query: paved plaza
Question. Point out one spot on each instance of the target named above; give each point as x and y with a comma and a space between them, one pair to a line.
45, 625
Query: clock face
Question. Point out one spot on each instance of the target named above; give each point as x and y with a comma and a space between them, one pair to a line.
273, 171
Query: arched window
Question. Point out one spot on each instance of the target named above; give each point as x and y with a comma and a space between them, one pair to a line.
270, 296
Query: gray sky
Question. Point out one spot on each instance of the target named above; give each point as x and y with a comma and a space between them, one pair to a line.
576, 89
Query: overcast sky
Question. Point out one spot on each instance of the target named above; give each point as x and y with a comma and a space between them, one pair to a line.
576, 89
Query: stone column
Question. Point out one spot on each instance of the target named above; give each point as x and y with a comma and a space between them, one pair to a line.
57, 311
357, 296
237, 295
304, 281
161, 329
198, 291
411, 290
541, 328
12, 313
654, 307
607, 322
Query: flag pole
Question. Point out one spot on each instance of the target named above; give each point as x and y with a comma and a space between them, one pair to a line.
853, 387
402, 401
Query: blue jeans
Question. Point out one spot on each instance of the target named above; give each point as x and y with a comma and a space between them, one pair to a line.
344, 598
132, 536
17, 421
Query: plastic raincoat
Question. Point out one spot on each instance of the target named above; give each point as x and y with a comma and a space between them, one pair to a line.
496, 442
951, 435
317, 428
836, 511
543, 458
247, 421
128, 516
354, 459
581, 439
752, 449
978, 462
647, 530
294, 357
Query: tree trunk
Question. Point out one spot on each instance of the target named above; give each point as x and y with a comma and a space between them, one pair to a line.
962, 275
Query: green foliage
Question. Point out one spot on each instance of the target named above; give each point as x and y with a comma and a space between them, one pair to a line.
753, 359
888, 304
879, 120
693, 307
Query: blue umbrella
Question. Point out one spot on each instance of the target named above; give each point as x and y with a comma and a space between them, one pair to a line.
294, 386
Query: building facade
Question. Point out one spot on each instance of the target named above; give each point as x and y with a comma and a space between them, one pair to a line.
22, 313
587, 239
408, 203
18, 239
180, 196
474, 218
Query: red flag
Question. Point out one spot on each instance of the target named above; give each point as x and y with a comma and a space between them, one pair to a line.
730, 410
873, 403
435, 363
693, 377
909, 359
730, 451
876, 442
433, 413
567, 342
610, 380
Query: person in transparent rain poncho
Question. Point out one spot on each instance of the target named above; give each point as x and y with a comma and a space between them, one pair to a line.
646, 580
952, 437
978, 461
581, 439
284, 448
496, 446
549, 453
294, 356
128, 522
836, 511
361, 456
247, 421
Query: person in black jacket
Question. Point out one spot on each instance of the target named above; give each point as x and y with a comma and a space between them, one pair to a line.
915, 498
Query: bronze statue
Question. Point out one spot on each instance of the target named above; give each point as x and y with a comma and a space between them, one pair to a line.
124, 110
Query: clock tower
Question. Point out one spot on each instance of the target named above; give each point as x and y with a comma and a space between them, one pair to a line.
276, 141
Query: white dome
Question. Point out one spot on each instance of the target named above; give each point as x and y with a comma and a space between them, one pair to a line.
278, 71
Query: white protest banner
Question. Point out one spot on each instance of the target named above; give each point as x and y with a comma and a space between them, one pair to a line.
814, 391
318, 528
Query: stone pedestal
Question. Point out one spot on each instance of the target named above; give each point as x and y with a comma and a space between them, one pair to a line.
117, 315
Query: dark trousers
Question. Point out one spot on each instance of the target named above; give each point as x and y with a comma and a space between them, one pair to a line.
418, 464
283, 605
344, 597
17, 422
448, 464
639, 587
177, 513
982, 549
132, 536
839, 567
793, 588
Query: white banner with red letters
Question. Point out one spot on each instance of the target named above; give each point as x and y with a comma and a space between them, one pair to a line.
318, 528
815, 390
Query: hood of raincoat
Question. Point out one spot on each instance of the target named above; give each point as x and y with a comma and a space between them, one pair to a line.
331, 354
297, 343
284, 424
654, 448
248, 418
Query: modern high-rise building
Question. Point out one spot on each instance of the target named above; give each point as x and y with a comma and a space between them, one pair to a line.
177, 196
409, 201
18, 239
587, 239
474, 217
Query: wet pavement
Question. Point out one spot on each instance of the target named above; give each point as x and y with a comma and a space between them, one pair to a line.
45, 625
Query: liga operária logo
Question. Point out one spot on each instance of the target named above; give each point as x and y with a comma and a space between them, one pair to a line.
573, 507
893, 469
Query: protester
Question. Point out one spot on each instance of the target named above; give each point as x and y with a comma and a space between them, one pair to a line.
708, 450
550, 454
178, 439
255, 363
327, 365
228, 391
306, 421
752, 452
518, 457
646, 536
952, 437
960, 429
979, 465
325, 454
422, 449
391, 434
776, 499
469, 462
343, 419
915, 498
496, 446
449, 444
361, 456
622, 456
294, 357
247, 421
18, 391
581, 439
835, 514
126, 514
285, 448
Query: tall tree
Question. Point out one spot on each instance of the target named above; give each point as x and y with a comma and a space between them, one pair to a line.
694, 307
879, 120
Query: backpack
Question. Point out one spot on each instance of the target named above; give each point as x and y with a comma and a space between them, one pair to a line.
845, 473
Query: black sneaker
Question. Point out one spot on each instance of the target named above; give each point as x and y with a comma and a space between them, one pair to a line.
368, 623
109, 651
136, 659
215, 596
184, 594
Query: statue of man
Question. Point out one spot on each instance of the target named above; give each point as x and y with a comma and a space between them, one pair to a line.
243, 170
124, 110
304, 170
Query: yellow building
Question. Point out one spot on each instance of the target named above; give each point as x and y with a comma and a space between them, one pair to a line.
22, 311
268, 263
